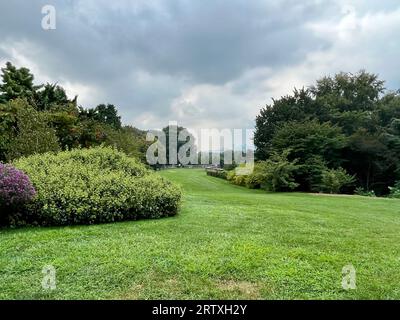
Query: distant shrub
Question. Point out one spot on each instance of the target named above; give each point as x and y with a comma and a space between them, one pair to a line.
333, 180
230, 175
274, 174
234, 178
16, 190
239, 180
395, 190
365, 193
229, 167
94, 186
218, 173
256, 179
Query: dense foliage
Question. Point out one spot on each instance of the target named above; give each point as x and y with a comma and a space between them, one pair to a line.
97, 185
333, 180
274, 174
36, 119
32, 134
346, 122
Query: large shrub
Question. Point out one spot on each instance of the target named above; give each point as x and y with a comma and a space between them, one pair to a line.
274, 174
238, 179
87, 186
333, 180
16, 191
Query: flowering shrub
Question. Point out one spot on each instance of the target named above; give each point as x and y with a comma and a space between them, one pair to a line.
95, 186
15, 187
16, 191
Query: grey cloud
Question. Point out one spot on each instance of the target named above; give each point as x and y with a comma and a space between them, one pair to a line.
143, 55
204, 41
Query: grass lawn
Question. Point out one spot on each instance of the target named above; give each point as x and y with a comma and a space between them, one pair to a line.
227, 242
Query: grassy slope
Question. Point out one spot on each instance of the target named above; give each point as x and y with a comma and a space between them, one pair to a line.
227, 242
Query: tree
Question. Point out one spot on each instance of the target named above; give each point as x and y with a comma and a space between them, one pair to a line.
31, 134
17, 83
346, 120
8, 121
67, 125
106, 114
368, 157
348, 99
308, 139
345, 99
52, 96
349, 92
272, 117
128, 139
49, 112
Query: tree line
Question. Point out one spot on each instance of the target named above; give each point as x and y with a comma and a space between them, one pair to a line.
343, 131
345, 124
40, 118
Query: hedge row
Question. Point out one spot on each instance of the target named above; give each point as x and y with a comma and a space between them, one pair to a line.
218, 173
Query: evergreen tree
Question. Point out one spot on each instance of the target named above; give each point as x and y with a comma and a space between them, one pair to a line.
17, 83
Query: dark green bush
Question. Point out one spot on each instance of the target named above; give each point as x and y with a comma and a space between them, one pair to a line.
87, 186
365, 193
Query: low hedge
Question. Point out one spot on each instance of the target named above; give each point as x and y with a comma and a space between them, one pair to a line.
218, 173
98, 185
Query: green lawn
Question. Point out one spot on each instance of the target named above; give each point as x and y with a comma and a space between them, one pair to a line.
227, 242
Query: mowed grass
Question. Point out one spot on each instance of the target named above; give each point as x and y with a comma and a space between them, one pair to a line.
227, 242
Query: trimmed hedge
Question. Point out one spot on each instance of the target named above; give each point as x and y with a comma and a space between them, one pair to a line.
98, 185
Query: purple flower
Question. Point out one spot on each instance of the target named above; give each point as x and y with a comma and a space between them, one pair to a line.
15, 187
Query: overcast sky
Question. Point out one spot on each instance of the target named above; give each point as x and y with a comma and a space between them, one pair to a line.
205, 64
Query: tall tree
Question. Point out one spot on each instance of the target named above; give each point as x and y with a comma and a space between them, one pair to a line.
294, 107
52, 96
107, 114
17, 83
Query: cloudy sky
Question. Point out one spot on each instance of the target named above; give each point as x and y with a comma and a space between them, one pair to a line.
203, 63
